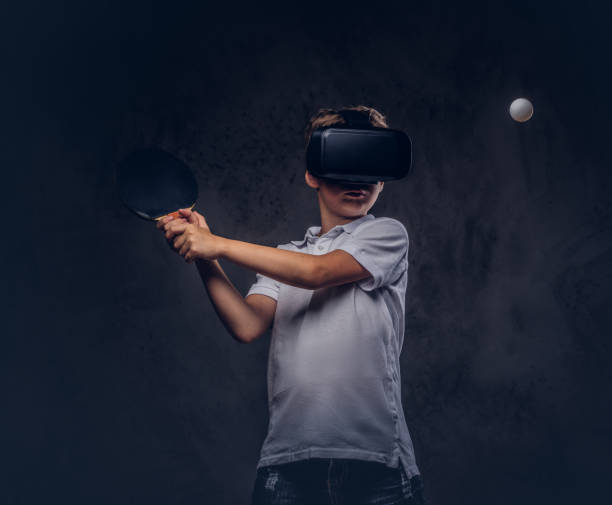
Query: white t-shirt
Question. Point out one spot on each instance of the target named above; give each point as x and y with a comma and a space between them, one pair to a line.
333, 365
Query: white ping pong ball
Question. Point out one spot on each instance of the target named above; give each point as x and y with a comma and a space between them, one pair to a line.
521, 110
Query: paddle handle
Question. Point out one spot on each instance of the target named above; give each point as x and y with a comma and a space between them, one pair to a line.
174, 214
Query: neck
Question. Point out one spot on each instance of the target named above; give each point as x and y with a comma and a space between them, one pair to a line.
329, 220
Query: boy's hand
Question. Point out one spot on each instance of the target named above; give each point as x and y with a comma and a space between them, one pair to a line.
194, 239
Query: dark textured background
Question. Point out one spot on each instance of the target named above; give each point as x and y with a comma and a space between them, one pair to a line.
120, 384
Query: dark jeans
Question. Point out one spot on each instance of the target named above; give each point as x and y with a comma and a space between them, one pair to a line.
319, 481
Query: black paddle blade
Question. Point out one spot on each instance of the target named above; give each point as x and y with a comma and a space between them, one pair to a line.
153, 183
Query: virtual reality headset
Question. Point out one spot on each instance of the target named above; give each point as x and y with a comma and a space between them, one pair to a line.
358, 152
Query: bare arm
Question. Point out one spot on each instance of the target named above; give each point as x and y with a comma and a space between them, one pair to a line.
244, 319
289, 267
298, 269
192, 238
247, 319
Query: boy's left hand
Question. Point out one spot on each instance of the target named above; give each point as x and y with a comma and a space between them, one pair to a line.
194, 240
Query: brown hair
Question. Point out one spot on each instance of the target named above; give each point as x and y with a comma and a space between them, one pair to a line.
330, 117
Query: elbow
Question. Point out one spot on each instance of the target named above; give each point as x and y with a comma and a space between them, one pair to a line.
245, 337
242, 339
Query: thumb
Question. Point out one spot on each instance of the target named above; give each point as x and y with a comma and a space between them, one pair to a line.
201, 221
188, 213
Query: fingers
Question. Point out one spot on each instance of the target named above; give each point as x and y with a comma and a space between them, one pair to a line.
180, 232
179, 241
175, 227
177, 231
189, 215
166, 219
195, 217
184, 248
200, 219
182, 245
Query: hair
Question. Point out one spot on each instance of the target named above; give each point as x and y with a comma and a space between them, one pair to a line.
330, 117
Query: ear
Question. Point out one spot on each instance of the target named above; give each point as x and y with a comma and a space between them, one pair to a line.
311, 180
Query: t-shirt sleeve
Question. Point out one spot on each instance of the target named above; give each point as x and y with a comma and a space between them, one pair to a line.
381, 247
265, 285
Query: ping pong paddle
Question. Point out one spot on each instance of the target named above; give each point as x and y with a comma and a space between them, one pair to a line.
153, 184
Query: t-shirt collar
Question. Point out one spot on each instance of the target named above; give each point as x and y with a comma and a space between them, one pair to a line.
311, 233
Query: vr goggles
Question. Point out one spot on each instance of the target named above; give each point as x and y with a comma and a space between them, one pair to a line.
358, 152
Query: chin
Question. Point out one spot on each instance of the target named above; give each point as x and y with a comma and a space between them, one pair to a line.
355, 205
353, 211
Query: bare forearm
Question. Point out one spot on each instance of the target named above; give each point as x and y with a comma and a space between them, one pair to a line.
236, 315
289, 267
294, 268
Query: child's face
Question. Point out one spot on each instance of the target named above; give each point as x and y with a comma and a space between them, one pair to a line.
338, 196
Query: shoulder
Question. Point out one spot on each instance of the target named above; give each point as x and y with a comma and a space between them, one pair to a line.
382, 226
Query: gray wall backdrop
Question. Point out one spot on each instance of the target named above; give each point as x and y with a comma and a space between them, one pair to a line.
120, 384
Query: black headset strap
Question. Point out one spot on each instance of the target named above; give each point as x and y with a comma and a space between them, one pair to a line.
355, 118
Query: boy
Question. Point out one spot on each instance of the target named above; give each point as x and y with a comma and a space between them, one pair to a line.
337, 432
